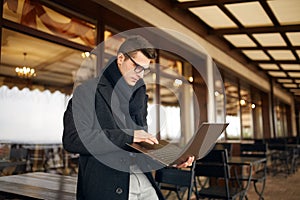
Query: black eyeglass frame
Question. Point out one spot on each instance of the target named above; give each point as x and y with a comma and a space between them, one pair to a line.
138, 68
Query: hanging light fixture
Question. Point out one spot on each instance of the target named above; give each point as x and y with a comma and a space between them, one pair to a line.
25, 72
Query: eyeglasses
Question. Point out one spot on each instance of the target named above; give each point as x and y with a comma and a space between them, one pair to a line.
139, 68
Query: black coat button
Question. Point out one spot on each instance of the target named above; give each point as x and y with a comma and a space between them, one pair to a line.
119, 190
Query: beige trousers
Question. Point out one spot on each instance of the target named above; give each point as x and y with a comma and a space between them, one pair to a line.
140, 187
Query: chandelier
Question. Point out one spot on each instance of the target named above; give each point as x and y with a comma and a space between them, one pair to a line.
25, 72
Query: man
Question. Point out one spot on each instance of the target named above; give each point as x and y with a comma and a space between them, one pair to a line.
102, 118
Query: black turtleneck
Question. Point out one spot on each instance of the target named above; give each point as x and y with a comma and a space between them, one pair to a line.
132, 99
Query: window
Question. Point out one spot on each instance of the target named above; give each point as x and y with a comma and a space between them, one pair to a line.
57, 67
257, 115
35, 15
246, 113
233, 130
59, 61
170, 86
280, 119
219, 93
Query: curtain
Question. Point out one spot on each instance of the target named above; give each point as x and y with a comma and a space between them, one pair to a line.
31, 116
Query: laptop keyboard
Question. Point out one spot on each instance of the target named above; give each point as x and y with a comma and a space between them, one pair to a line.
168, 153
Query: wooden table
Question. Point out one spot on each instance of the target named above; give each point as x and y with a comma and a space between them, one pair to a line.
39, 185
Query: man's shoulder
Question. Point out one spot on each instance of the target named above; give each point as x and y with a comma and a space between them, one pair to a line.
88, 84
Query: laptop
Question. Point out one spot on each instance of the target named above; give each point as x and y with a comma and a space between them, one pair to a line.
199, 145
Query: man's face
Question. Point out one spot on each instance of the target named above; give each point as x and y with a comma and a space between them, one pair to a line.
127, 67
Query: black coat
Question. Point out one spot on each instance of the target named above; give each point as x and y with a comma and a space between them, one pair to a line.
96, 127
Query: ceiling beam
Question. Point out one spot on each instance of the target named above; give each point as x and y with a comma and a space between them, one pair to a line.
252, 30
274, 70
272, 16
190, 4
268, 48
256, 62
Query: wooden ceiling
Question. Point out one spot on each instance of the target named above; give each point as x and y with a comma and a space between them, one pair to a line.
264, 34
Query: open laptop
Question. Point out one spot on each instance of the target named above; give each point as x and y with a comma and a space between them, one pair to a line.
199, 145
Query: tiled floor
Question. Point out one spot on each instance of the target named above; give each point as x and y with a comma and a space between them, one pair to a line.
278, 187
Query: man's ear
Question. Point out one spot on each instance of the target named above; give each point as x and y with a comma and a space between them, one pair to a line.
120, 58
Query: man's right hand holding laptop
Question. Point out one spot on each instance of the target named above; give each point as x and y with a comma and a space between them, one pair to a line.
143, 136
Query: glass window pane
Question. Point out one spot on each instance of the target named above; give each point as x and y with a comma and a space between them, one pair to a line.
219, 94
257, 116
171, 88
56, 66
40, 17
170, 66
231, 90
233, 131
247, 127
280, 119
112, 43
246, 113
26, 100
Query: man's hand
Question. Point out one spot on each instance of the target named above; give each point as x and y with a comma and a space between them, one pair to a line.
187, 163
143, 136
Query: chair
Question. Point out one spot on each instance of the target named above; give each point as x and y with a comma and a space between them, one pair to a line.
54, 161
18, 155
70, 163
294, 141
222, 146
218, 146
221, 185
176, 180
260, 172
281, 158
37, 159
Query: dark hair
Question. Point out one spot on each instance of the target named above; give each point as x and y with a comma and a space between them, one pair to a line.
137, 43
